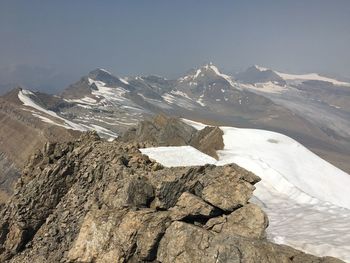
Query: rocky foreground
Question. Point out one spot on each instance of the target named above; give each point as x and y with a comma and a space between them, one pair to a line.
95, 201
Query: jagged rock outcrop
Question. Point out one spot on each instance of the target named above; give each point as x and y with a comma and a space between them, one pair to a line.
21, 133
170, 131
161, 131
209, 140
95, 201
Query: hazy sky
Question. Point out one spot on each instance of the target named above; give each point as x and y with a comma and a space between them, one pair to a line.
62, 40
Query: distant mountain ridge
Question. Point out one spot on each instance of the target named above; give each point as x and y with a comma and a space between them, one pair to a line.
256, 74
110, 105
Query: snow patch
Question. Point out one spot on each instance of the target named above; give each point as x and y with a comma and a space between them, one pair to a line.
106, 71
27, 101
124, 81
268, 87
226, 77
197, 125
180, 93
173, 156
260, 68
85, 100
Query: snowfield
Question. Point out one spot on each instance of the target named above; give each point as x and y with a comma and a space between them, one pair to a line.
290, 167
311, 76
305, 197
268, 87
174, 156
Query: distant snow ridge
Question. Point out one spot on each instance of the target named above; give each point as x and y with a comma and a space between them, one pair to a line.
53, 118
305, 197
23, 96
303, 77
311, 76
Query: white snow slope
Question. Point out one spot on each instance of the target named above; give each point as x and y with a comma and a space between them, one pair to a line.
311, 76
305, 197
24, 97
173, 156
53, 118
303, 77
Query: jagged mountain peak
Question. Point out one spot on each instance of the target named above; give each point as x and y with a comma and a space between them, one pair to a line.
259, 68
206, 73
100, 70
208, 68
107, 77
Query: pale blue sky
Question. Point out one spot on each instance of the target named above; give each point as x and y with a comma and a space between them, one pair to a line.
69, 38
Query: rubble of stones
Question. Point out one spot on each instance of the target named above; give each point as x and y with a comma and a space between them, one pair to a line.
96, 201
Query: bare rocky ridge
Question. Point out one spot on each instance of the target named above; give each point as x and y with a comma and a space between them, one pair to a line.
91, 200
20, 135
170, 131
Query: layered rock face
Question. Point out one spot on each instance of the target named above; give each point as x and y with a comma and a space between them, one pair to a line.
95, 201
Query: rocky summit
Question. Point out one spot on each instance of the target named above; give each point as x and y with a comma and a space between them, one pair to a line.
162, 130
91, 200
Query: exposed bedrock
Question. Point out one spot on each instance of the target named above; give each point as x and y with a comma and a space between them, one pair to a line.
95, 201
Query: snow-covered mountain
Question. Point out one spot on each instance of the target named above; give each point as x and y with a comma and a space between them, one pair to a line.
304, 196
259, 74
314, 114
115, 103
106, 102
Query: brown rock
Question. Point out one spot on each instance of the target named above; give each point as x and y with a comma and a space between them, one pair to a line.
227, 193
208, 140
189, 205
96, 201
248, 221
134, 192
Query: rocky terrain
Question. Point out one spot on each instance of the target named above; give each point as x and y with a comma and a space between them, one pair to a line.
170, 131
90, 200
101, 101
20, 134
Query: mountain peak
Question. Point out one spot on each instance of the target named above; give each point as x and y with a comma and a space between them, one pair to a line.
99, 71
210, 66
258, 74
259, 68
207, 71
107, 77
